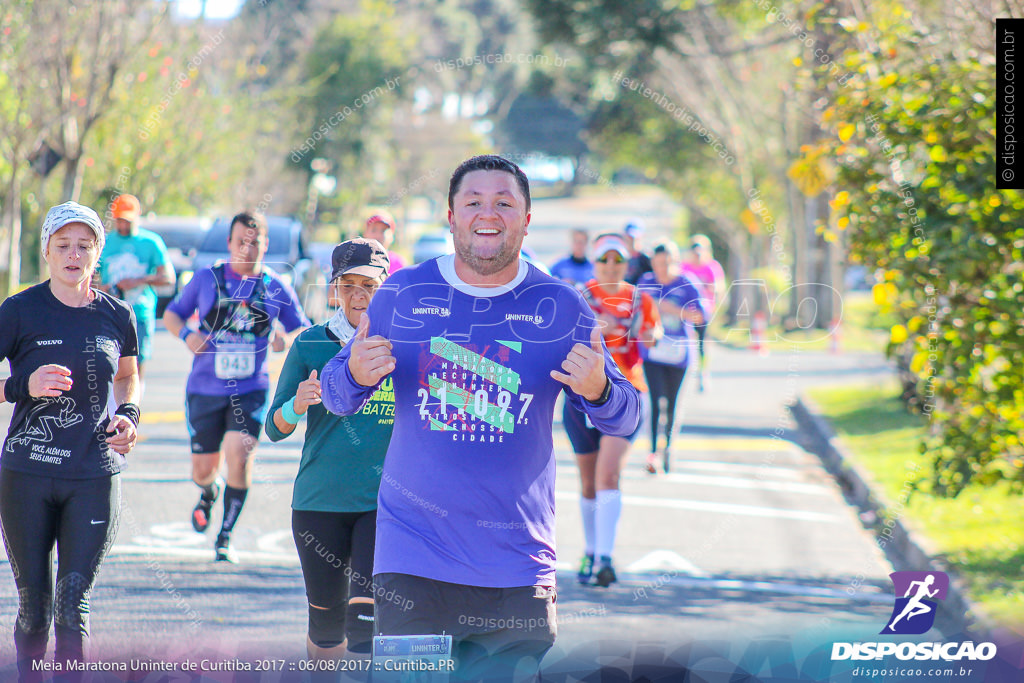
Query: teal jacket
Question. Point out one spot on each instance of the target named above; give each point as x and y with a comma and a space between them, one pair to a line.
342, 457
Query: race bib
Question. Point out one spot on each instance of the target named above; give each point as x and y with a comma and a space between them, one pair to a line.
668, 350
235, 361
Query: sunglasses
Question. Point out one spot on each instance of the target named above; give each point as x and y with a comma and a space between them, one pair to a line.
607, 259
349, 288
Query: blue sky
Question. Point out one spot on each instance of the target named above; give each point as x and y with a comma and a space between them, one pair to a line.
215, 9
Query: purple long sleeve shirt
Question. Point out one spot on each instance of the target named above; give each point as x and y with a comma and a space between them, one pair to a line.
467, 492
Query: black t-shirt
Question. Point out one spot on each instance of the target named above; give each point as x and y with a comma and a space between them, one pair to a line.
638, 265
64, 436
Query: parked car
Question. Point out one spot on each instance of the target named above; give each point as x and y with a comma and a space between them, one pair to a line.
182, 236
287, 255
432, 244
321, 252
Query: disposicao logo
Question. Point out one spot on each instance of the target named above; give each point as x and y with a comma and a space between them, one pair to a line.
917, 596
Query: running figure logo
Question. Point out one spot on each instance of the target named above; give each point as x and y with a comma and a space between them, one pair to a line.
914, 612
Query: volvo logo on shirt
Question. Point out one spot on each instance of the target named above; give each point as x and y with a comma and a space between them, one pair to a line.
523, 317
49, 342
432, 310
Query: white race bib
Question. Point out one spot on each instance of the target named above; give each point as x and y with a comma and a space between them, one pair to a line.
235, 361
668, 350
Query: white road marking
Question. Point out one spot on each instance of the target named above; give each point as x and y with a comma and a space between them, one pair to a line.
766, 470
707, 506
270, 543
170, 535
204, 553
759, 472
743, 483
665, 560
632, 579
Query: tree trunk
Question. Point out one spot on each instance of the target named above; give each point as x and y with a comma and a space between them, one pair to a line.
72, 188
819, 284
13, 220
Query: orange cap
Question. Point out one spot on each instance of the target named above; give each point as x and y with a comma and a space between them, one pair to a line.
126, 206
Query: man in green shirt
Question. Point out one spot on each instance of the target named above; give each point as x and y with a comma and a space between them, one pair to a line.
133, 262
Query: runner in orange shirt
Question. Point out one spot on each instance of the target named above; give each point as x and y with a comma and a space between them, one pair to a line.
629, 318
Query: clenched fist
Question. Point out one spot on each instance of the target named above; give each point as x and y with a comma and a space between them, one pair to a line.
371, 358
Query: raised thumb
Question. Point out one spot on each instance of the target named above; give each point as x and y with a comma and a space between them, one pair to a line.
595, 338
363, 327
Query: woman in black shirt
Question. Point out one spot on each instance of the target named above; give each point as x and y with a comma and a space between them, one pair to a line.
74, 383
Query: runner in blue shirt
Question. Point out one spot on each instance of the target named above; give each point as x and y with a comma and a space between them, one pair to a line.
134, 261
478, 346
226, 394
681, 307
576, 268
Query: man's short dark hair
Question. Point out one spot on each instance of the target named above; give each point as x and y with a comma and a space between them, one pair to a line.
250, 219
487, 162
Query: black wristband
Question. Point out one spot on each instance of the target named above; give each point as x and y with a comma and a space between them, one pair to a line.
131, 411
605, 395
16, 388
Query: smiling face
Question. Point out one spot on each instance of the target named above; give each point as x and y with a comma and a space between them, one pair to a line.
610, 270
488, 220
248, 246
72, 254
353, 293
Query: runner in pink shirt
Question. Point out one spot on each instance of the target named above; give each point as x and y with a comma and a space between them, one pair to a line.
707, 272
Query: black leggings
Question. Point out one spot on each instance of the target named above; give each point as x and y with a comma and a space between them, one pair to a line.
81, 516
336, 554
702, 331
663, 380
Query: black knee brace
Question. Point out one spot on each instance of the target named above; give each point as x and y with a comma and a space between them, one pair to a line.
35, 611
327, 626
359, 626
71, 617
71, 607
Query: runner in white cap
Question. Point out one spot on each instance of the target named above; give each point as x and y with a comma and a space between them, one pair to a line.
74, 384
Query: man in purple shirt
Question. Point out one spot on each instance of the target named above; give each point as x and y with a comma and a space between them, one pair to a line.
478, 345
226, 394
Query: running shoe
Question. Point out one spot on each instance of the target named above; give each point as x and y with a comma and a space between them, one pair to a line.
606, 574
586, 569
666, 460
223, 552
650, 464
201, 512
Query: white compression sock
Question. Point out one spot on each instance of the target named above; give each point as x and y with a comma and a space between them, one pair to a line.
588, 506
609, 509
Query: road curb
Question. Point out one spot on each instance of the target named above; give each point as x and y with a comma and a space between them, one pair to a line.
905, 549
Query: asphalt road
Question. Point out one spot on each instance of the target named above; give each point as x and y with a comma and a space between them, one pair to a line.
748, 538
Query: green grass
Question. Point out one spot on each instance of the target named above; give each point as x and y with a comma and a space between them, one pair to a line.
979, 533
